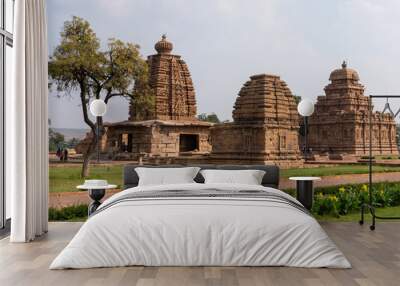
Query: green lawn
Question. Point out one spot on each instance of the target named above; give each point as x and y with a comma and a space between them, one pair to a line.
336, 170
65, 179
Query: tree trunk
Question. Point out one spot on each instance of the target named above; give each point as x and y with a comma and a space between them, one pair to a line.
86, 157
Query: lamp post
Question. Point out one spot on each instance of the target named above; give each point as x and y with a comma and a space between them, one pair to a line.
98, 108
305, 109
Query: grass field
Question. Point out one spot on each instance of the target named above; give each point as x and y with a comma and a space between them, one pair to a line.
66, 178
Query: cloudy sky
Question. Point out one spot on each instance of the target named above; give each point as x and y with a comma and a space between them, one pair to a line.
226, 41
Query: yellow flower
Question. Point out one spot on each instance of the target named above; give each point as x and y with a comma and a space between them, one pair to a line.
333, 198
364, 188
342, 190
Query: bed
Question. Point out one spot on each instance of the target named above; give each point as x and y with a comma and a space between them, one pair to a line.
201, 224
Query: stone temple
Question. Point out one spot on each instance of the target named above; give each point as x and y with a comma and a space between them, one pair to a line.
339, 126
265, 126
172, 128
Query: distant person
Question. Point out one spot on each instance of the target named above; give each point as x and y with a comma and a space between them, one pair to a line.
65, 155
58, 153
61, 154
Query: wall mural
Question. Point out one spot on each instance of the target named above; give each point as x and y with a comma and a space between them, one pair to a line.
158, 100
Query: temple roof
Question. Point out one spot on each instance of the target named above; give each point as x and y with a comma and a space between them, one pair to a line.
148, 123
163, 46
344, 73
262, 98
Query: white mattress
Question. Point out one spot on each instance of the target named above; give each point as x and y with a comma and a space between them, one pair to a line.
200, 232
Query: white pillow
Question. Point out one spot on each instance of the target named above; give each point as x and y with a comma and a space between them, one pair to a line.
166, 176
248, 177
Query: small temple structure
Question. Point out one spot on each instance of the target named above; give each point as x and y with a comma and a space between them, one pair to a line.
171, 129
265, 126
339, 126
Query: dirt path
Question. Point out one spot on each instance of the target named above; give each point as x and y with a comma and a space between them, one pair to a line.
59, 200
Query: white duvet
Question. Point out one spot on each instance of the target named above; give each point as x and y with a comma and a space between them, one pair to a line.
202, 232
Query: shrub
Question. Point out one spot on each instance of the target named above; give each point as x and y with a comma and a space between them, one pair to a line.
326, 205
68, 213
367, 157
350, 198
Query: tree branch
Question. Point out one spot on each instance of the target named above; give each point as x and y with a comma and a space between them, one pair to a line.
84, 108
110, 95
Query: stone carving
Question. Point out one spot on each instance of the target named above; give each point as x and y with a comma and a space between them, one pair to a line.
340, 123
173, 129
264, 128
172, 85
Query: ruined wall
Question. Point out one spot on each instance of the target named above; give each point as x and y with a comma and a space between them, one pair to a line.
158, 139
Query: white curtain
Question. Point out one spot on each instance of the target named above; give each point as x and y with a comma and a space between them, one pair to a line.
27, 124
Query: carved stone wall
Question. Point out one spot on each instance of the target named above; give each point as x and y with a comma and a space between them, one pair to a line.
154, 138
265, 126
173, 129
340, 123
172, 85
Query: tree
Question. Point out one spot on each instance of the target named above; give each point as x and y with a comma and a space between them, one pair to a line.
297, 99
79, 65
212, 117
56, 139
71, 143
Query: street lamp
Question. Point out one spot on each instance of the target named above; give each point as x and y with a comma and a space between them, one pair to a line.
305, 109
98, 108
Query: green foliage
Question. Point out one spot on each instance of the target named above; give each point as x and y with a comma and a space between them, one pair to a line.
72, 142
75, 57
77, 212
79, 64
55, 140
212, 117
350, 198
367, 157
297, 98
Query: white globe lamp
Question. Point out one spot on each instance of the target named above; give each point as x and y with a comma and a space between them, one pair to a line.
305, 109
98, 108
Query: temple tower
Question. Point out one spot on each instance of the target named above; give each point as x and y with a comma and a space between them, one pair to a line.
169, 132
339, 125
172, 85
264, 128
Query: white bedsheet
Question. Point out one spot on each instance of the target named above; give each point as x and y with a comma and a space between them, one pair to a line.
212, 231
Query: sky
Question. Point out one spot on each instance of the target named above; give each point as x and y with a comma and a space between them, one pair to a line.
226, 41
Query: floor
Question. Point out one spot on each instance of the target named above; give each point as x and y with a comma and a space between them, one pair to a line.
375, 257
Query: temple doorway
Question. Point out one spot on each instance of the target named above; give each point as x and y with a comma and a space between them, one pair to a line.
188, 142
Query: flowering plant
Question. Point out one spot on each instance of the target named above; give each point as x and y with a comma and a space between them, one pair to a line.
349, 198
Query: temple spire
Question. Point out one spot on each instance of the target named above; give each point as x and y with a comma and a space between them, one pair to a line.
163, 46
